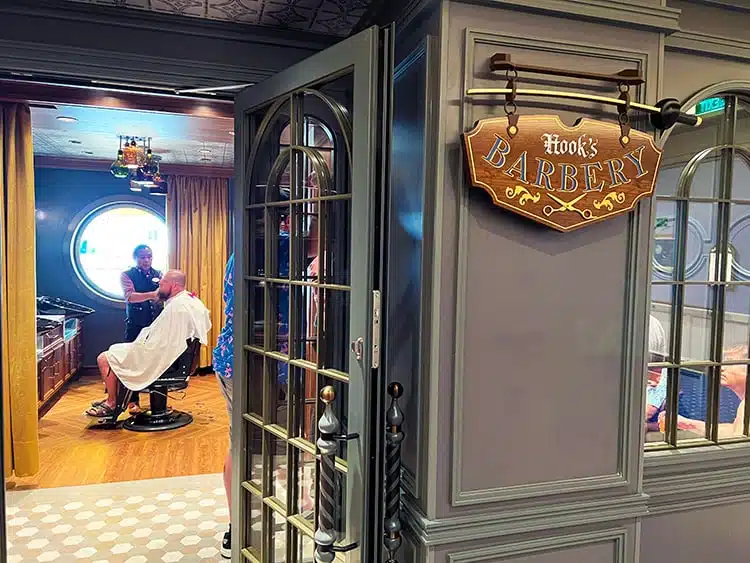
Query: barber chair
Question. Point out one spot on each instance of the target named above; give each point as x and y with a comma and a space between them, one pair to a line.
160, 416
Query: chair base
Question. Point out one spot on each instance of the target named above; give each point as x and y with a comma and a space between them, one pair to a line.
105, 424
150, 422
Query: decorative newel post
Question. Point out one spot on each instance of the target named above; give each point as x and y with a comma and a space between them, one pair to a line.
394, 418
327, 443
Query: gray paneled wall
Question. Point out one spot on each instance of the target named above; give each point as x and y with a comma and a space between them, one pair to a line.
696, 536
543, 359
536, 357
520, 406
605, 545
712, 46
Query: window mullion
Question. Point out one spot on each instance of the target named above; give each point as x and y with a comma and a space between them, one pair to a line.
678, 299
722, 250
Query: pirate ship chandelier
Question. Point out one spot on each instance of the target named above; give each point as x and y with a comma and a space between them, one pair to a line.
137, 163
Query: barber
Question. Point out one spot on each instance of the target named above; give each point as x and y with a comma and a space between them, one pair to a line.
140, 287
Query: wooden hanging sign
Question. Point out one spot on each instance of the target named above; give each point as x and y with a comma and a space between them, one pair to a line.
564, 177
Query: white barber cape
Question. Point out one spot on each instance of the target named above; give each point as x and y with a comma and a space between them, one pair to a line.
138, 364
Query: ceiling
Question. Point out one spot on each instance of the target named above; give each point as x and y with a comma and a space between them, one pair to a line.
336, 17
183, 140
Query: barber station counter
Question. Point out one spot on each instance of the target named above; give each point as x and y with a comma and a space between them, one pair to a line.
59, 352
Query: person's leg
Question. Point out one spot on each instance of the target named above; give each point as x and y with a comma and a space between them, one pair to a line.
109, 378
226, 390
228, 480
131, 333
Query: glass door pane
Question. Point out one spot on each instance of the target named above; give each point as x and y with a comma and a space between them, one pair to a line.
309, 175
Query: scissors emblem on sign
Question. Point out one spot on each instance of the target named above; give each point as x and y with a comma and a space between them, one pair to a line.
567, 206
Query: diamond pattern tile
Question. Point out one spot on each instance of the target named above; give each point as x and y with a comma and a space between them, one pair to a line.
337, 17
160, 520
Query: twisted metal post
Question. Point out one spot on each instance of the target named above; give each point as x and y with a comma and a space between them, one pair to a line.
394, 418
328, 425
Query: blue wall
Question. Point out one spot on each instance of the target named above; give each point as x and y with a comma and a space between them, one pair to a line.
60, 196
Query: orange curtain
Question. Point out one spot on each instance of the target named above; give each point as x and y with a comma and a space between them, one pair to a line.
198, 223
18, 292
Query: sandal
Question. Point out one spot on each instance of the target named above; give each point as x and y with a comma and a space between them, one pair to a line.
134, 409
99, 403
101, 411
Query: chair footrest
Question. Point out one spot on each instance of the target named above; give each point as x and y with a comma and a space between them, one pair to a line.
149, 422
171, 385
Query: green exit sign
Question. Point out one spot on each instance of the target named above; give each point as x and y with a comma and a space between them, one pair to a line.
710, 105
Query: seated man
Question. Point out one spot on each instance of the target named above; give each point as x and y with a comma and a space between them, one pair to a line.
138, 364
734, 377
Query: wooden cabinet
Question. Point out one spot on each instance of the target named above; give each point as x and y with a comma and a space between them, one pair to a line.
59, 360
71, 363
45, 378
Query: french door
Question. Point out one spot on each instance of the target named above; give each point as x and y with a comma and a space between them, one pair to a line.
311, 169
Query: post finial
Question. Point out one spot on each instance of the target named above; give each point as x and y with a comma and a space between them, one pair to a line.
328, 394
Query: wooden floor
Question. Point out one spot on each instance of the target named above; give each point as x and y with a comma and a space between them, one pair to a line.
72, 454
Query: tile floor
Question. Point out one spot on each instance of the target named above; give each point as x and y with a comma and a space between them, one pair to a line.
159, 520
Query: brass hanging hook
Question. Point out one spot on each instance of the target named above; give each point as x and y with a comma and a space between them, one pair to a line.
623, 114
510, 106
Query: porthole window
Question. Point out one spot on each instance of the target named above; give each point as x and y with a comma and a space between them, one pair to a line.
103, 243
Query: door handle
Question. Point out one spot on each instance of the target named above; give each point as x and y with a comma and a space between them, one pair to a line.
328, 446
394, 418
358, 347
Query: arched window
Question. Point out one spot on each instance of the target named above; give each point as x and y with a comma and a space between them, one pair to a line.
305, 212
318, 136
700, 286
103, 242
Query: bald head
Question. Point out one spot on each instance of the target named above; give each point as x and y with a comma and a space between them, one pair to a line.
171, 284
176, 277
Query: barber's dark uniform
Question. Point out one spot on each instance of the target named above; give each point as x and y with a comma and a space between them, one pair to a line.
140, 315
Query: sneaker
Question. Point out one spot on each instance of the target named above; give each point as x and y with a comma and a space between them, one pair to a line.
226, 544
